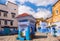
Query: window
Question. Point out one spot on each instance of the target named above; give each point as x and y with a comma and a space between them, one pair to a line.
0, 13
13, 15
5, 22
11, 22
5, 14
57, 11
0, 22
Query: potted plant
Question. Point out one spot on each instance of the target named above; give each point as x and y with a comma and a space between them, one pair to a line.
53, 27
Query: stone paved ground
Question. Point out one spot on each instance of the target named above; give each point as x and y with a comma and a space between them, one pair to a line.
38, 37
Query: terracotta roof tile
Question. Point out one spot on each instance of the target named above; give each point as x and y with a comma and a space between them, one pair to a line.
23, 15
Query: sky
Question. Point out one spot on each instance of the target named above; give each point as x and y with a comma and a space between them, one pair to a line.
38, 8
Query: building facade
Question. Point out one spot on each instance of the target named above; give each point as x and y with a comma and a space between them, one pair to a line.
55, 13
8, 12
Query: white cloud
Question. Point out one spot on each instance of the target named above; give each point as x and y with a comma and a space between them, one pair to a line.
36, 2
25, 9
43, 2
43, 13
39, 2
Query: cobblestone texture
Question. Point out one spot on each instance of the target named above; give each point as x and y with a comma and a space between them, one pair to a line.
39, 37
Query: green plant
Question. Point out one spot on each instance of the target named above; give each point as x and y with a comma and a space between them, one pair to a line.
54, 35
54, 25
49, 27
54, 30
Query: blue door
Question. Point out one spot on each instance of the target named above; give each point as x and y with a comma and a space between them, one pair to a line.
6, 30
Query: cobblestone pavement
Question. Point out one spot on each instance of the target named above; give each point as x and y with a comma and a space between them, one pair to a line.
38, 37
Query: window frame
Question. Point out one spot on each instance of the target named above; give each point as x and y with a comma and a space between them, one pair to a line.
5, 22
13, 15
0, 22
0, 13
5, 14
11, 23
57, 11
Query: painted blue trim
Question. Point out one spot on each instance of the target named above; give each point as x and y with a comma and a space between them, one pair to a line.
28, 33
19, 32
23, 20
